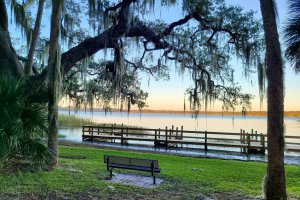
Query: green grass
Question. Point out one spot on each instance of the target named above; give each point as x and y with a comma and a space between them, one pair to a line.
60, 135
184, 177
72, 121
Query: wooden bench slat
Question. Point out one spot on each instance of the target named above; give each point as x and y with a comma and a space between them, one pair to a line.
156, 170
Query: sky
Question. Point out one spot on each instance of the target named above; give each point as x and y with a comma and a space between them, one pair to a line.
169, 95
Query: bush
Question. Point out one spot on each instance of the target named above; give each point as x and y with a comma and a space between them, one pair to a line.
23, 124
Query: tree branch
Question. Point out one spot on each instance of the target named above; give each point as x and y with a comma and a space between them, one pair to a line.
139, 67
169, 29
107, 39
35, 37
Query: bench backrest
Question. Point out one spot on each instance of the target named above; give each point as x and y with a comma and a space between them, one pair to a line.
130, 161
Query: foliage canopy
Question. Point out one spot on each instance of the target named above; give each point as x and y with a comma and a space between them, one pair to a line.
132, 40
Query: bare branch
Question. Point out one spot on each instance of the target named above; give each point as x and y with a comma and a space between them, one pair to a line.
139, 67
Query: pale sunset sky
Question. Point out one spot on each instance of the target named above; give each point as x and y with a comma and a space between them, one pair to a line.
169, 95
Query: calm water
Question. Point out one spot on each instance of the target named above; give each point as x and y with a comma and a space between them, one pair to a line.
202, 123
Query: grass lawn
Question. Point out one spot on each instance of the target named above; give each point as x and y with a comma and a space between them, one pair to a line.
82, 172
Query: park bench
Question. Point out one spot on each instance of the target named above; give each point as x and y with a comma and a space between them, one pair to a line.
131, 163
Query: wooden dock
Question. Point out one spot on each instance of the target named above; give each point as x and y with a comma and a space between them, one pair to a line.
247, 142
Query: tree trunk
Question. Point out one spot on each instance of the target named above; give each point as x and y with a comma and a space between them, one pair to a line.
35, 37
54, 79
9, 63
275, 186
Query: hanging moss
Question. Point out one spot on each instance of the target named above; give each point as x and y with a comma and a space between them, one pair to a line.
184, 106
261, 81
20, 18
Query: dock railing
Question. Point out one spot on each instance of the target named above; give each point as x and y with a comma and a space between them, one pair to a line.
247, 142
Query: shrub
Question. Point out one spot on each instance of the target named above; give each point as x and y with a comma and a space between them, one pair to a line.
23, 124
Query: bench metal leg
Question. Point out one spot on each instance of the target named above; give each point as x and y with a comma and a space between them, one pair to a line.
110, 173
154, 179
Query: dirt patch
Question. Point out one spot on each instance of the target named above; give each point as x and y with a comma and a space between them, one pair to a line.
136, 180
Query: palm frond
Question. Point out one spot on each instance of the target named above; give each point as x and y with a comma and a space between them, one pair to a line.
23, 124
36, 150
34, 121
9, 138
10, 98
292, 34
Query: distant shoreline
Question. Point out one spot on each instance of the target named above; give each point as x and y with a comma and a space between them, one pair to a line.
249, 113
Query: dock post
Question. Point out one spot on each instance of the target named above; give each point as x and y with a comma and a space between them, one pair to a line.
159, 133
98, 130
252, 132
244, 140
91, 132
83, 133
241, 139
171, 132
181, 132
256, 136
155, 138
181, 136
241, 134
112, 132
122, 139
176, 136
248, 140
263, 143
166, 137
122, 130
205, 140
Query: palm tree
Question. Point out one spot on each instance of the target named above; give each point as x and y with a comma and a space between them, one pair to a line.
275, 185
292, 34
23, 124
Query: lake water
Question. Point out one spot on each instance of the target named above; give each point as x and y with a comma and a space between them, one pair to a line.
202, 123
